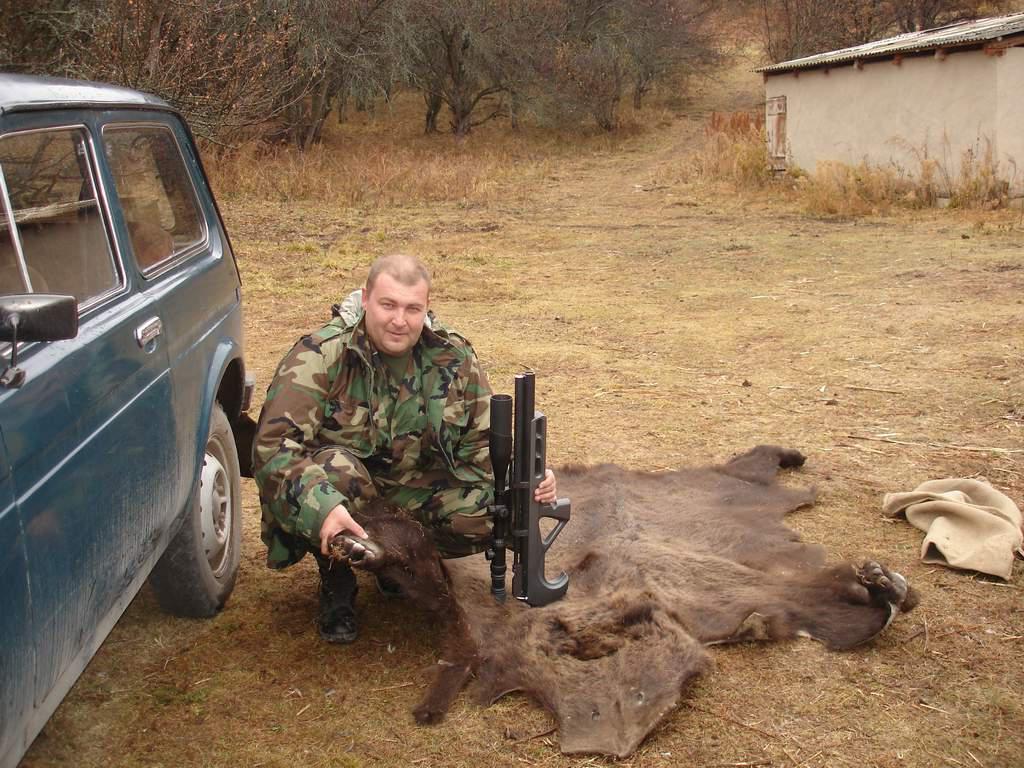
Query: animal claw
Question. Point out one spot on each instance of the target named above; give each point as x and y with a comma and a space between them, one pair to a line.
881, 581
357, 552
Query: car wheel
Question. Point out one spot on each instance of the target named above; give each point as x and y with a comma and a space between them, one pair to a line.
196, 574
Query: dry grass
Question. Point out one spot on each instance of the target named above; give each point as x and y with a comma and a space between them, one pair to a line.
669, 325
837, 189
384, 158
361, 174
979, 183
734, 153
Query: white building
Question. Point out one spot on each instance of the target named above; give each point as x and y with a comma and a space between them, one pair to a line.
939, 93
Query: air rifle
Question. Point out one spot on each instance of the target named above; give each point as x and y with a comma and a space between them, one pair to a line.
518, 460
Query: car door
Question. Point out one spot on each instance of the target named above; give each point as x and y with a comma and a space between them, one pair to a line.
90, 434
17, 658
182, 257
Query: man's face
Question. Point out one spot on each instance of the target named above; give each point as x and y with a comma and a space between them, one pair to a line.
395, 313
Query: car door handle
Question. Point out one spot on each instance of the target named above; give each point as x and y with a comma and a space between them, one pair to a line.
148, 331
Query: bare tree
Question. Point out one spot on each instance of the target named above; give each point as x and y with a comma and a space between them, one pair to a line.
595, 75
279, 68
458, 53
914, 15
34, 37
665, 38
336, 47
590, 65
230, 65
796, 28
219, 61
602, 48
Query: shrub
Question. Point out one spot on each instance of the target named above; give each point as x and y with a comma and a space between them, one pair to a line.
734, 151
847, 190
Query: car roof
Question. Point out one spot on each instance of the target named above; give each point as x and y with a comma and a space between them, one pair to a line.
30, 92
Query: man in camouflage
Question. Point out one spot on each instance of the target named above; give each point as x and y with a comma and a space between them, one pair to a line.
383, 401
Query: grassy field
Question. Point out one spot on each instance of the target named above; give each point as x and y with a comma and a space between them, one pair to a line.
670, 324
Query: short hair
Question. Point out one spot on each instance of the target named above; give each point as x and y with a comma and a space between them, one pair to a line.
406, 269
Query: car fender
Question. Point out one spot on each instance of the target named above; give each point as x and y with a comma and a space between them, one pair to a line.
225, 373
225, 376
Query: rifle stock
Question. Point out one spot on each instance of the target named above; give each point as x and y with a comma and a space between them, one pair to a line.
518, 458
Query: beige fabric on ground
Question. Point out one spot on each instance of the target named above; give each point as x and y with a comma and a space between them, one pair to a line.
967, 524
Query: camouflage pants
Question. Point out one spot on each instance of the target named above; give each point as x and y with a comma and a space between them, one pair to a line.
454, 512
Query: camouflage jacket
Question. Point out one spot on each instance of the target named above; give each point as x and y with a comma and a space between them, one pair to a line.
332, 389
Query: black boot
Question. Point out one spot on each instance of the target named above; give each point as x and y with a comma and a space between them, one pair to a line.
338, 587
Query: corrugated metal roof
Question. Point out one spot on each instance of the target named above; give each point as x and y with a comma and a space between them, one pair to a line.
953, 35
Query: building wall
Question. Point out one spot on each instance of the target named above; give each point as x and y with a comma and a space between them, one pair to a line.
1010, 116
896, 115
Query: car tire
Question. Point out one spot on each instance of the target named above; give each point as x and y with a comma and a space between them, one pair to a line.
196, 574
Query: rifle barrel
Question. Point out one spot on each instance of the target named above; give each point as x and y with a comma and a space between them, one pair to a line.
500, 445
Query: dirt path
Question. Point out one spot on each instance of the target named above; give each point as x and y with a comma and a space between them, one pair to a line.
669, 325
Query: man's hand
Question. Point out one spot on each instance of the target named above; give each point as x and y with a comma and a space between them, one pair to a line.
547, 491
337, 521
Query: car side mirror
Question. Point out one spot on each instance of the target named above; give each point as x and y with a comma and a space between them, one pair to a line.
34, 317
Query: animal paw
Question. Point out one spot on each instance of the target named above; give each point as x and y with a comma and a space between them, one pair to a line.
426, 713
882, 585
789, 458
361, 553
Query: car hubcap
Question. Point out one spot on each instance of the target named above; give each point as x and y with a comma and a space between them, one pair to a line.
215, 511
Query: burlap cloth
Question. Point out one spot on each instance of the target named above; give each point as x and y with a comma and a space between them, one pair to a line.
967, 524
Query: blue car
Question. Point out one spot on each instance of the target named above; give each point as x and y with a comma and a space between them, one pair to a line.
123, 389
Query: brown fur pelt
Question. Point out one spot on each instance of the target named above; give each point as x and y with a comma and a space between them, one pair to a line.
402, 550
661, 565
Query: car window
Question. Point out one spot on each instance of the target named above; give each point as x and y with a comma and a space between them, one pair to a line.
157, 196
11, 276
57, 217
